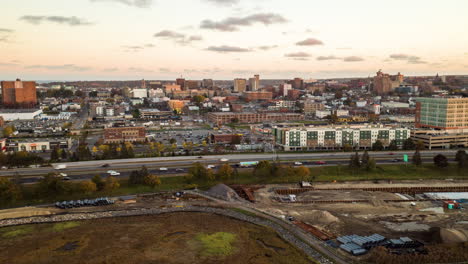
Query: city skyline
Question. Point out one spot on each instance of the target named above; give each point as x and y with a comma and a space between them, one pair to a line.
225, 39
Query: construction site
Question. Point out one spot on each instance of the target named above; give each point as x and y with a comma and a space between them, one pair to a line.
407, 217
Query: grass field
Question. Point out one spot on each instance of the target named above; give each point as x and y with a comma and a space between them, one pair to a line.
170, 238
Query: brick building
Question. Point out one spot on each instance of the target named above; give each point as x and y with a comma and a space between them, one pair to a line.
225, 139
258, 95
124, 134
19, 93
249, 118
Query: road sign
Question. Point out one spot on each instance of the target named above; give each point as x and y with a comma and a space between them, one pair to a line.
405, 158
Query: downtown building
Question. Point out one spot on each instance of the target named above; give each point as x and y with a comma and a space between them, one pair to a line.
441, 123
124, 134
329, 137
385, 83
19, 94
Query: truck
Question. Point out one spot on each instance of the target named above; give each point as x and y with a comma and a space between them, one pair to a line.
246, 164
60, 166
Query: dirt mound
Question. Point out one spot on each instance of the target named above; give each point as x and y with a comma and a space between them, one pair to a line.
446, 235
224, 192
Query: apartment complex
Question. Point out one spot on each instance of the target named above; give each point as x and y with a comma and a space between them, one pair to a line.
19, 93
124, 134
220, 118
313, 138
311, 107
442, 113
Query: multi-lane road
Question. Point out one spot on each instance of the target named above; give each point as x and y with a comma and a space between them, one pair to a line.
179, 165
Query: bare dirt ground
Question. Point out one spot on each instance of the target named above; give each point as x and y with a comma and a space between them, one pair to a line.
169, 238
392, 220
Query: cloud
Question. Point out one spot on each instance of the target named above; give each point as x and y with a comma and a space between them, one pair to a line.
297, 55
6, 30
137, 48
4, 39
267, 47
110, 69
71, 21
139, 70
8, 64
411, 59
309, 42
223, 2
136, 3
352, 59
324, 58
67, 67
231, 24
178, 37
164, 70
227, 49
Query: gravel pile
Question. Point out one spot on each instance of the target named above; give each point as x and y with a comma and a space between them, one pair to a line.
223, 192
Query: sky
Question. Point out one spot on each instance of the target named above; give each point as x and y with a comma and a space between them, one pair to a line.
227, 39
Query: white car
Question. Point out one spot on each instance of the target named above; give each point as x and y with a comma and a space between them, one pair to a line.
224, 160
63, 174
298, 163
163, 169
211, 166
113, 173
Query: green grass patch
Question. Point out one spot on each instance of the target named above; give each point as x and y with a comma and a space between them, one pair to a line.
59, 227
15, 231
242, 211
217, 244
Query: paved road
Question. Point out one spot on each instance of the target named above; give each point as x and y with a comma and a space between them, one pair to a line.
179, 165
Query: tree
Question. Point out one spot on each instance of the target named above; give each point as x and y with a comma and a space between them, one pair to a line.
97, 180
303, 172
408, 144
54, 155
354, 162
377, 146
364, 159
417, 158
197, 171
88, 187
152, 180
441, 161
9, 191
52, 185
173, 141
111, 183
347, 148
8, 131
198, 99
136, 113
420, 145
225, 172
393, 145
264, 169
370, 165
462, 158
188, 146
63, 154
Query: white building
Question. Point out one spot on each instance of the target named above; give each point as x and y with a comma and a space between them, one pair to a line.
19, 114
322, 113
342, 112
329, 137
361, 103
286, 88
140, 93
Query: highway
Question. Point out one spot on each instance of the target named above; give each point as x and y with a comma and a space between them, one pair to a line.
180, 164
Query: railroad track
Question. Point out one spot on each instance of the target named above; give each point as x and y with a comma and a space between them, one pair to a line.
405, 190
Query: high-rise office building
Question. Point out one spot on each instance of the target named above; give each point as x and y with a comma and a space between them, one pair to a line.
240, 85
181, 82
254, 83
19, 93
442, 113
385, 83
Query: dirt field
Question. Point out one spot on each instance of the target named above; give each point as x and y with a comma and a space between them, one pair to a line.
170, 238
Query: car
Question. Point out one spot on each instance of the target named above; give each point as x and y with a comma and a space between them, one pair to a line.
113, 173
200, 157
63, 174
391, 153
397, 160
179, 169
297, 163
321, 162
163, 169
224, 160
66, 178
211, 166
105, 165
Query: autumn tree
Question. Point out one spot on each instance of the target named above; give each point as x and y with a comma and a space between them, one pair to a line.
88, 187
152, 180
302, 172
225, 172
417, 161
97, 180
111, 183
9, 191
